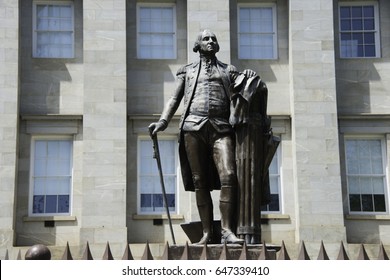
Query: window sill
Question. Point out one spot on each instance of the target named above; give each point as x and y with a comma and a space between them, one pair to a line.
360, 57
368, 217
181, 217
275, 216
157, 216
49, 218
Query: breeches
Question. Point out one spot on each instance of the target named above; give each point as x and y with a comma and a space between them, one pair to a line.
208, 144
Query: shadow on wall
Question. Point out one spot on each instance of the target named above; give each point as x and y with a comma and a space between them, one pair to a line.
362, 83
368, 232
40, 78
354, 80
151, 81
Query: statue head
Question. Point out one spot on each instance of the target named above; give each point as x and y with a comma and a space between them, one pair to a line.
206, 43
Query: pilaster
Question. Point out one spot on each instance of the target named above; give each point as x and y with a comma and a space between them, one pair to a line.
104, 123
9, 112
314, 122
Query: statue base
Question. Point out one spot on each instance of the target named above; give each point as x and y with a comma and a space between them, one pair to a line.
215, 249
194, 232
221, 252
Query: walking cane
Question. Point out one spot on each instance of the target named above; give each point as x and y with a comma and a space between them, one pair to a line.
156, 155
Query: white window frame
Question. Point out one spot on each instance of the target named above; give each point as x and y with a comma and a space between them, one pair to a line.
35, 31
31, 177
278, 156
274, 25
385, 171
174, 35
376, 30
177, 170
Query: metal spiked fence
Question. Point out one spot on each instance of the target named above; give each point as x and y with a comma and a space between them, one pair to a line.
221, 252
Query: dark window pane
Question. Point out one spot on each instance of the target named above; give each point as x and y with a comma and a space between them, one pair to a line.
171, 199
368, 11
345, 25
360, 51
346, 36
146, 200
354, 202
379, 201
357, 24
369, 24
357, 12
51, 204
369, 38
63, 204
38, 203
369, 51
345, 12
367, 203
358, 37
274, 204
158, 200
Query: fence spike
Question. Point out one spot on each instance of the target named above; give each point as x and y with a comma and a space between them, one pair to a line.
6, 255
147, 254
205, 254
283, 255
322, 254
264, 254
167, 253
362, 253
342, 253
225, 253
303, 255
127, 255
107, 253
186, 253
19, 257
67, 254
244, 252
382, 253
87, 253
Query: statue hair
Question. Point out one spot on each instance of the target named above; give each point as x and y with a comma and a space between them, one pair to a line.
196, 47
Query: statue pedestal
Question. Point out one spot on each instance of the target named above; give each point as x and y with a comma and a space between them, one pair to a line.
221, 252
215, 250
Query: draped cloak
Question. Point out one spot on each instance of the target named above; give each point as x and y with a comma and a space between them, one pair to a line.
255, 148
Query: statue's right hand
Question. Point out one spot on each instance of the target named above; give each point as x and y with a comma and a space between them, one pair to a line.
155, 127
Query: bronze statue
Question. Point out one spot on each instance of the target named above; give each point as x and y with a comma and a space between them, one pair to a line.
207, 138
255, 148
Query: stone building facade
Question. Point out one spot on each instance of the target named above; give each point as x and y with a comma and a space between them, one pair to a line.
81, 80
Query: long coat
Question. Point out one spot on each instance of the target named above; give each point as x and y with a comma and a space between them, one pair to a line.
187, 77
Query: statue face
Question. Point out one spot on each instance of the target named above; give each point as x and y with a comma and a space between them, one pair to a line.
208, 43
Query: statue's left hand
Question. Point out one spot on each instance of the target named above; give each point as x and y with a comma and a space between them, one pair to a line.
249, 73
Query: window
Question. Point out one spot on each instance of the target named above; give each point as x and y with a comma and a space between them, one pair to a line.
53, 29
274, 181
359, 30
156, 32
257, 38
366, 177
51, 176
150, 198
